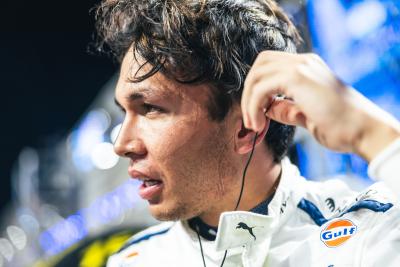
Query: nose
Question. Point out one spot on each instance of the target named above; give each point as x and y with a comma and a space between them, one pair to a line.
128, 144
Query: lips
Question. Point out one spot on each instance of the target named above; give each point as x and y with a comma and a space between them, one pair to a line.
151, 187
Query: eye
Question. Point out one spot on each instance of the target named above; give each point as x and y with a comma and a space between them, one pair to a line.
148, 108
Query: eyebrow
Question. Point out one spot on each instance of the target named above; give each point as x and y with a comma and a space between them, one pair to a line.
131, 97
140, 94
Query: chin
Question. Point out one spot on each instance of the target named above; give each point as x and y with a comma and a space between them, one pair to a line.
170, 212
165, 216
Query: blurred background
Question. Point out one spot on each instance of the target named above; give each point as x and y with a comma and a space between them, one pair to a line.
66, 198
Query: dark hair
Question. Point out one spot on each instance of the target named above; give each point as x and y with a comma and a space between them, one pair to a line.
209, 41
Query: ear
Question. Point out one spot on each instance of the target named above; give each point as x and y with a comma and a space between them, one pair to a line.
244, 138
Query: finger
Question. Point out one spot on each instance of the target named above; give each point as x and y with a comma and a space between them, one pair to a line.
287, 112
254, 104
265, 68
262, 69
255, 76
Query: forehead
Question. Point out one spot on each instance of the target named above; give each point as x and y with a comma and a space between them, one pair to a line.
159, 84
131, 67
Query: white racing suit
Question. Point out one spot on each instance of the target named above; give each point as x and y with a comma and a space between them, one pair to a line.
321, 224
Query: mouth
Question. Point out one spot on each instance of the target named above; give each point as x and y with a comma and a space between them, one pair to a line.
150, 189
150, 183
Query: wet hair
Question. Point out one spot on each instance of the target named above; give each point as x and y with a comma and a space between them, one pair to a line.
211, 41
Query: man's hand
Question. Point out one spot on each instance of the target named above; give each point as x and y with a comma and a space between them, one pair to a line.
312, 97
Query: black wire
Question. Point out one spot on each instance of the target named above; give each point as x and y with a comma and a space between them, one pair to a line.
201, 247
237, 204
245, 171
223, 260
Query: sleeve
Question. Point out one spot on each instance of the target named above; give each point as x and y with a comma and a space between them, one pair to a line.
386, 167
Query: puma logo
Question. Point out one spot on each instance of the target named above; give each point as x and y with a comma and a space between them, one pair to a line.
244, 226
331, 204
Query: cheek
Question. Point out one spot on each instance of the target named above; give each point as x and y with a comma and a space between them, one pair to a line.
168, 140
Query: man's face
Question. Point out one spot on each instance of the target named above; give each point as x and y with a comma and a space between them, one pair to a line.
187, 160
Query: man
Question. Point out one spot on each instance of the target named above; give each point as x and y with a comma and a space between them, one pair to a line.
208, 89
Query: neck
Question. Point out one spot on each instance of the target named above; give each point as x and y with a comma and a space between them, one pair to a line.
260, 183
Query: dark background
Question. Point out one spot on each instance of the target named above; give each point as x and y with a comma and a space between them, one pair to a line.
47, 76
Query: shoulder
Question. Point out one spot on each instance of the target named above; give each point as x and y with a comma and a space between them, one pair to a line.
324, 201
137, 247
374, 207
377, 199
381, 207
153, 233
376, 214
328, 196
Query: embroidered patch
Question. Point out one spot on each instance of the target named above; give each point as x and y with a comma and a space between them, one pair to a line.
338, 232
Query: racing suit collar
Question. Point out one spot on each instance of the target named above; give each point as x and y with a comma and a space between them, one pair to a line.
244, 228
209, 232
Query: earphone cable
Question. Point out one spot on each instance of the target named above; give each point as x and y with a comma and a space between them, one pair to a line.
237, 204
201, 247
245, 171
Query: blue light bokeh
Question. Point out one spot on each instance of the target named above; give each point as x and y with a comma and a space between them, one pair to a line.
101, 212
360, 41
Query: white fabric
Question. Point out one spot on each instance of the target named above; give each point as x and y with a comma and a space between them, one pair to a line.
385, 167
287, 236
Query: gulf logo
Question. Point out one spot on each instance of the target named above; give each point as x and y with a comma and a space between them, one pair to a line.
338, 232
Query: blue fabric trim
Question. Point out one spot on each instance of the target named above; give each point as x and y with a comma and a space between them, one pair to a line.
371, 205
312, 211
143, 238
319, 219
197, 224
262, 208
